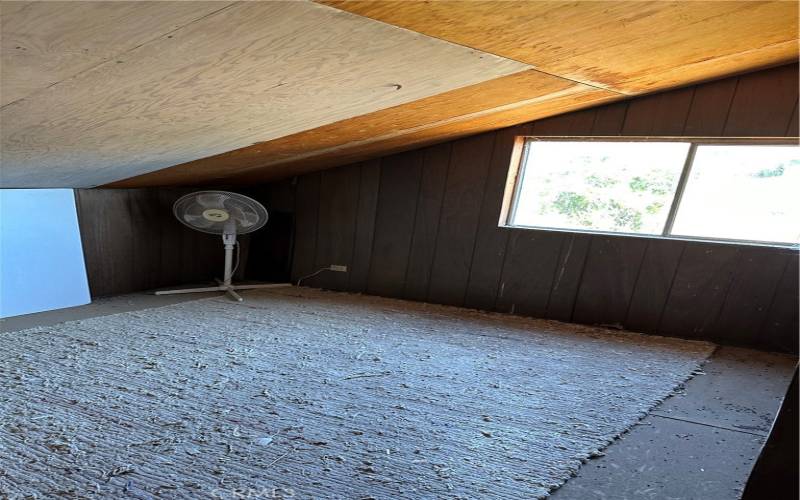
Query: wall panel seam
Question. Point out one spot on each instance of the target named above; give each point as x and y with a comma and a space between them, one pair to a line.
730, 106
636, 282
669, 289
580, 278
439, 220
480, 212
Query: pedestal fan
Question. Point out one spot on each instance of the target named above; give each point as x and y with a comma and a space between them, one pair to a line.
227, 214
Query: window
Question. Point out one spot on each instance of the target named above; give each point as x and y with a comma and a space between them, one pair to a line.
680, 189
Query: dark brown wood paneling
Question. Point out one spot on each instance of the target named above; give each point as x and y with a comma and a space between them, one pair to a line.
791, 128
454, 198
710, 107
271, 248
576, 123
659, 114
756, 277
106, 235
132, 242
394, 223
145, 216
780, 328
568, 276
306, 217
458, 222
609, 277
491, 240
369, 183
336, 229
698, 291
763, 103
271, 245
436, 160
528, 272
280, 196
555, 125
582, 121
609, 119
171, 239
653, 284
203, 256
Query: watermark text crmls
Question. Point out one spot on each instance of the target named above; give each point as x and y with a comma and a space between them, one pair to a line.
263, 492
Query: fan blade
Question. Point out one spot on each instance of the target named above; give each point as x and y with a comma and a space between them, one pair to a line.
198, 221
195, 210
242, 213
250, 218
237, 214
212, 200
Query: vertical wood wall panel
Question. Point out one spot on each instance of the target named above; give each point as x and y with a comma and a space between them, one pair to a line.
756, 276
369, 183
609, 119
698, 291
394, 223
307, 217
780, 327
336, 229
659, 114
568, 276
491, 240
609, 277
653, 285
458, 221
106, 234
792, 128
146, 215
528, 272
710, 108
763, 103
436, 161
171, 240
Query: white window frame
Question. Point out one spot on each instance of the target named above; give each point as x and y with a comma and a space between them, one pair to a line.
519, 156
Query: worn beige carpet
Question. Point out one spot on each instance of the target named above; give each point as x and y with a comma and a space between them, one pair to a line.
303, 393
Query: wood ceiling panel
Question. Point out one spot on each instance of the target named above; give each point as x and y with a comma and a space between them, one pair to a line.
252, 71
630, 47
494, 104
43, 43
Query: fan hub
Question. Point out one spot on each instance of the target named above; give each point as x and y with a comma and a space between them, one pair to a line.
216, 215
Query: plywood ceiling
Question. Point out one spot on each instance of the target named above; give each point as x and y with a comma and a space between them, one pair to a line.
170, 93
44, 43
252, 71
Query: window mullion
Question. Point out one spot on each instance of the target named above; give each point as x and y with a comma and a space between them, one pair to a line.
676, 201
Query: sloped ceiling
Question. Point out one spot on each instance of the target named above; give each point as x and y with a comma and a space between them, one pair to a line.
135, 94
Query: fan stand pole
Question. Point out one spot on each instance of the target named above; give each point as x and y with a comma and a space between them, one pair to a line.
230, 241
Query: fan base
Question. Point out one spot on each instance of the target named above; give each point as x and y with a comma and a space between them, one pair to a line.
228, 289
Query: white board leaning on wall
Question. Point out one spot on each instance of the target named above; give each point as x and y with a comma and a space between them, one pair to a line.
41, 258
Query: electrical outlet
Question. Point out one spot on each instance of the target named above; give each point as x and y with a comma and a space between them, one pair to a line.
338, 268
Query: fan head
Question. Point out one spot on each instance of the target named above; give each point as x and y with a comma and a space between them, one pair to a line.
220, 212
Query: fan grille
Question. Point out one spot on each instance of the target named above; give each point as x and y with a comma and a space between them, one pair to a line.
218, 212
